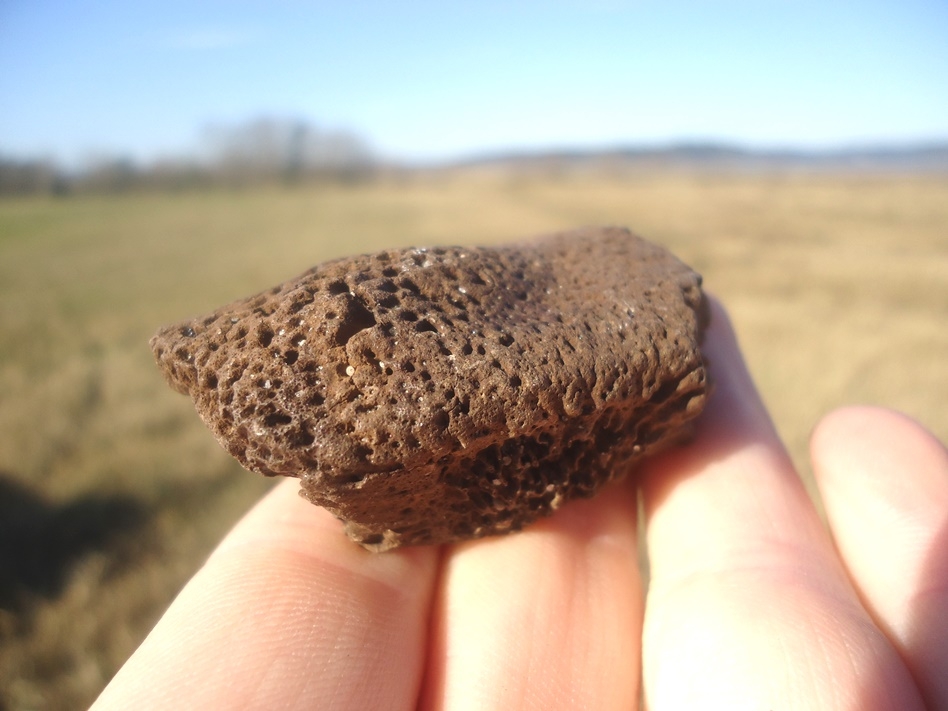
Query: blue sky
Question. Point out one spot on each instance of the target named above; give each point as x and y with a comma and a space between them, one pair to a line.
436, 80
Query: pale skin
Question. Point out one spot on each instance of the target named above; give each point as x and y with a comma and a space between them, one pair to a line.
753, 603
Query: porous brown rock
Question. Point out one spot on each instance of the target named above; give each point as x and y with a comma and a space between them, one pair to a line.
432, 395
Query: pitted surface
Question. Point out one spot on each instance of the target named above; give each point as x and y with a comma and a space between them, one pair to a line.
430, 395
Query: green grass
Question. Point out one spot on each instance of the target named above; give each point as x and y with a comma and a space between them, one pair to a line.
111, 490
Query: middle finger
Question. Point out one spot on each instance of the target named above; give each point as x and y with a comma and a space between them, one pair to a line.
547, 618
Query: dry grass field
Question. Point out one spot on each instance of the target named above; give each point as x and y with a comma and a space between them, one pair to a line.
111, 490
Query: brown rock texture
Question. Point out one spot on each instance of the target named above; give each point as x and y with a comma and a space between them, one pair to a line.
432, 395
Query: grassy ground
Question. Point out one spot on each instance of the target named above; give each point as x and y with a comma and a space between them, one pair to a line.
112, 492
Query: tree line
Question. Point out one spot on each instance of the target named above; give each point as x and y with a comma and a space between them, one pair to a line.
264, 150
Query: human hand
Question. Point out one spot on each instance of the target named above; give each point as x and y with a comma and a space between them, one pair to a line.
751, 604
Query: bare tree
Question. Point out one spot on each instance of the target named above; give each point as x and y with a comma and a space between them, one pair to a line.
24, 177
283, 149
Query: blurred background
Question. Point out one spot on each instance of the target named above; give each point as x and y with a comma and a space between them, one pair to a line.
160, 159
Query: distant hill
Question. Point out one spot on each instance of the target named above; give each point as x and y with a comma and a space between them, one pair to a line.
926, 157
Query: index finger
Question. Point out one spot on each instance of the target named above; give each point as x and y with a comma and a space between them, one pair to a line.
287, 613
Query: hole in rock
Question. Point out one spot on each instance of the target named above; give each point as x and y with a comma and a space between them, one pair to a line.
302, 438
665, 391
275, 419
409, 285
358, 319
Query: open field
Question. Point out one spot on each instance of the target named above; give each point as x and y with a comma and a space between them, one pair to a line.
111, 490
